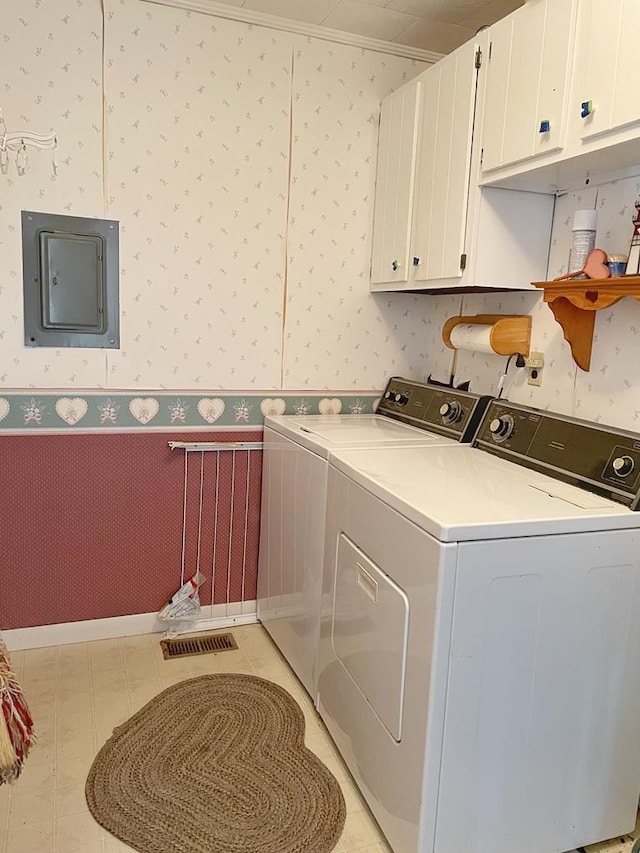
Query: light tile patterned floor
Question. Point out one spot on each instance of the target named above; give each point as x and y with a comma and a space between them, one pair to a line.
78, 694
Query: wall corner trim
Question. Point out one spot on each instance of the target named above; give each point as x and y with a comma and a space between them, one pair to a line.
274, 22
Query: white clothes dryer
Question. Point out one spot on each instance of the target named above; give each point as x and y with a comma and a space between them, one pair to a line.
294, 493
479, 665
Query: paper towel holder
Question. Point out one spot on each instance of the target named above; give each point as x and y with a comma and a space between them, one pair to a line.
509, 333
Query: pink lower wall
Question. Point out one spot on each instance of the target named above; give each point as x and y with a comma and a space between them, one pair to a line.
91, 524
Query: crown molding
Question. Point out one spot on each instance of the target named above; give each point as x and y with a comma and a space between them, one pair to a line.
263, 19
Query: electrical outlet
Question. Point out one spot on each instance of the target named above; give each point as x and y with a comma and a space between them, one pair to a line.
534, 363
535, 376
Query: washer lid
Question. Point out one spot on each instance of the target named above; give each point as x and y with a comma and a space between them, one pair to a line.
323, 432
461, 493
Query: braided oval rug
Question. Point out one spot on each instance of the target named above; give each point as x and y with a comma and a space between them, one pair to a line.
216, 764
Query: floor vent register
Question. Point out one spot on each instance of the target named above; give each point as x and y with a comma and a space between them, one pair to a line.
197, 644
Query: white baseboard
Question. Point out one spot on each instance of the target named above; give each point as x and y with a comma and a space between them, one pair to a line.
39, 636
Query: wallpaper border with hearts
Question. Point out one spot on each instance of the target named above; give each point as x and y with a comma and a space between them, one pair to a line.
29, 411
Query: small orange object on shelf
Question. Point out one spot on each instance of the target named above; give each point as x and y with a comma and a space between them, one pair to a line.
575, 302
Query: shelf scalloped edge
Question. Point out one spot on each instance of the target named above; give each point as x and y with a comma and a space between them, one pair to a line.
574, 303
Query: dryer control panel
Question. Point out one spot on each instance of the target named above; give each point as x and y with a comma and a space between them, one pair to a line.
436, 408
598, 458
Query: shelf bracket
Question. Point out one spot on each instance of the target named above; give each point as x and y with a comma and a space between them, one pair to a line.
577, 327
574, 305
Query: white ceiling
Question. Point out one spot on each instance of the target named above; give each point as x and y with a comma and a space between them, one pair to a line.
438, 25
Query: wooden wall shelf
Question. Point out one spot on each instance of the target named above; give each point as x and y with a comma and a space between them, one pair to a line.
575, 302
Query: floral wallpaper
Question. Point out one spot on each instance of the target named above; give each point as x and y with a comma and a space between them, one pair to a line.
198, 113
240, 163
332, 333
51, 72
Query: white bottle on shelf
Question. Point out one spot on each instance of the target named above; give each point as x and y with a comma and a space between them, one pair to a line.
583, 238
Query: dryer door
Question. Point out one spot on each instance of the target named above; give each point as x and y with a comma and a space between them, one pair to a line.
384, 656
369, 632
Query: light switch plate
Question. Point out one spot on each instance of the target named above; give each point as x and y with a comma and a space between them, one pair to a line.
534, 363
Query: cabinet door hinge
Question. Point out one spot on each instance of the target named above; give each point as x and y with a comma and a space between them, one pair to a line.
481, 156
490, 48
478, 58
463, 261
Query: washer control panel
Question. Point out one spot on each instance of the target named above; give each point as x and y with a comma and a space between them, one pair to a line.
436, 408
598, 458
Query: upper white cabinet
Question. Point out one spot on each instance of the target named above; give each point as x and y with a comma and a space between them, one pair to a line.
607, 66
459, 235
395, 183
569, 66
528, 74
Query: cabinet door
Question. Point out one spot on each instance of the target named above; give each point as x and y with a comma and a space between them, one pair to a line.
394, 184
626, 103
607, 67
529, 60
555, 73
596, 66
449, 92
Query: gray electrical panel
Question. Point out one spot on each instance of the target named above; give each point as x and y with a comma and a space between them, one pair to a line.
71, 272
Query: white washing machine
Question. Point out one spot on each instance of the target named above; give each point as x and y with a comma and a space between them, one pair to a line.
479, 666
294, 491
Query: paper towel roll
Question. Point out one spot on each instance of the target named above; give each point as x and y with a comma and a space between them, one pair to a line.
472, 336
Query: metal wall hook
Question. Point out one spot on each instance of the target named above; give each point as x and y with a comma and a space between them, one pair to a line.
21, 159
17, 141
